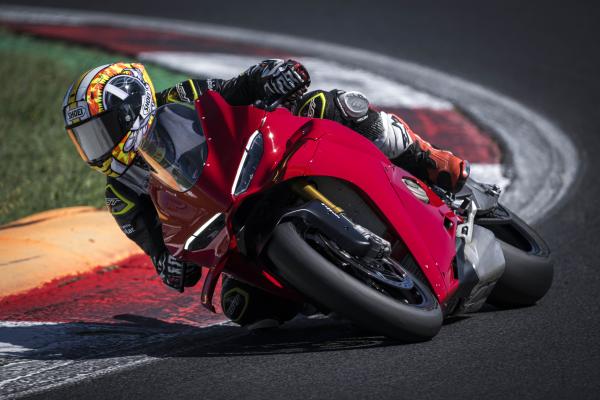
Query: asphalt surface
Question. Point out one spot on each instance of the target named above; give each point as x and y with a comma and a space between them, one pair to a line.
544, 56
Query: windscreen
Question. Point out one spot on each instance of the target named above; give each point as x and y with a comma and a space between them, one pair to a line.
175, 146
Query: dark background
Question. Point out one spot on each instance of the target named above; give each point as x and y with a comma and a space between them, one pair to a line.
541, 54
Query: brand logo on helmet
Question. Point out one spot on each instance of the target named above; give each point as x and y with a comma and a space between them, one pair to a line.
76, 113
147, 103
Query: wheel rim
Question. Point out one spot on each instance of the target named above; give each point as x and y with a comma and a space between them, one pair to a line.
385, 275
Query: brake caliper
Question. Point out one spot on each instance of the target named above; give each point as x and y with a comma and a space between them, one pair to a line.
379, 249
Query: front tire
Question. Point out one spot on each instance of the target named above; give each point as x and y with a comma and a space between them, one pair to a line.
325, 283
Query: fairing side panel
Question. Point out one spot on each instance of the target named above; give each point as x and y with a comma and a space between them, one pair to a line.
420, 226
226, 129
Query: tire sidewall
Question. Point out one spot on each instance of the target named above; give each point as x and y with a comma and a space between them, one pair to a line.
317, 278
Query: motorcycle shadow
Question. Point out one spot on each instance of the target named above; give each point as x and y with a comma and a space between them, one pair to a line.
136, 335
301, 335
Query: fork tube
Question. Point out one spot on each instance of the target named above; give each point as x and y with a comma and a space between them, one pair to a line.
308, 191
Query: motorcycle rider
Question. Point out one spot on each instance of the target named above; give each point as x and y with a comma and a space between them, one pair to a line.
109, 108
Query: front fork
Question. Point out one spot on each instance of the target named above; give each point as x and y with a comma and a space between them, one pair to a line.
378, 247
308, 191
325, 216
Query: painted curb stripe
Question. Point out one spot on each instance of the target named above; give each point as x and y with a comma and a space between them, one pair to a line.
42, 247
100, 295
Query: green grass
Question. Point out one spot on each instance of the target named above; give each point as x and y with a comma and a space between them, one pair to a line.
39, 166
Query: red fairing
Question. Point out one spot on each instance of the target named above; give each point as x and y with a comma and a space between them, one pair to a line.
293, 147
344, 154
227, 131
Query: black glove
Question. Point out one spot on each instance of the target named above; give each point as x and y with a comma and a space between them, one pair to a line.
172, 271
279, 78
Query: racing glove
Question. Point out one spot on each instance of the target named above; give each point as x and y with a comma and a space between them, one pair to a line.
283, 78
175, 273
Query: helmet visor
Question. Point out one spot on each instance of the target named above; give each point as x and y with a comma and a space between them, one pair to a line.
96, 137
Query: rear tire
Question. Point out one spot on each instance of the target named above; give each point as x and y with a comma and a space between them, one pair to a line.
529, 270
325, 283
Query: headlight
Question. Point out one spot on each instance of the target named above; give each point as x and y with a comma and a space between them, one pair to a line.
250, 159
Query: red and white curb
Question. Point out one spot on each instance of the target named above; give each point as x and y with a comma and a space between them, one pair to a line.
46, 346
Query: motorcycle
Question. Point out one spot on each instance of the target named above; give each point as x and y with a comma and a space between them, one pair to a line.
312, 212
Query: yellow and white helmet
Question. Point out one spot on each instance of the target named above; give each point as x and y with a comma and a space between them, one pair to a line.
107, 112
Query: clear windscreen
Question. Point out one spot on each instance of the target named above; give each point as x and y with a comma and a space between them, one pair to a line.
175, 147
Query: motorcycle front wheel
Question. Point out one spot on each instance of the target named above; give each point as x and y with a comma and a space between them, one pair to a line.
370, 298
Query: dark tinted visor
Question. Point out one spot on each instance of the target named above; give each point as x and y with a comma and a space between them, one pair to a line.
96, 137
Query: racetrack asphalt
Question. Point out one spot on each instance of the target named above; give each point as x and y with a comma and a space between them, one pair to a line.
542, 55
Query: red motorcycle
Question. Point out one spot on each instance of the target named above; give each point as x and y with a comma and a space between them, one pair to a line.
312, 212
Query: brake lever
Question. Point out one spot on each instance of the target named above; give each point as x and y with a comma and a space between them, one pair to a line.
267, 107
271, 107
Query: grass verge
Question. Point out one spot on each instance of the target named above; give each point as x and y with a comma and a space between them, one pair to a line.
39, 167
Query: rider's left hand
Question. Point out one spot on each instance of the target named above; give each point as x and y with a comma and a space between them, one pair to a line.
172, 271
285, 77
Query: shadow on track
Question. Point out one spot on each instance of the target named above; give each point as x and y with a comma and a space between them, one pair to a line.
135, 335
142, 336
301, 335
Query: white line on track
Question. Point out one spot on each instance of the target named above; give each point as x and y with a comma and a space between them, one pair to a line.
38, 356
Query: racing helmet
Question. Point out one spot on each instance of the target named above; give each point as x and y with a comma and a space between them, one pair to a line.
107, 112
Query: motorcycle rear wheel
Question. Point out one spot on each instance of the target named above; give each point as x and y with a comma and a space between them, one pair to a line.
321, 280
529, 269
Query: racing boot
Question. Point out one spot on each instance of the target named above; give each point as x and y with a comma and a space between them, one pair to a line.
431, 164
409, 151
